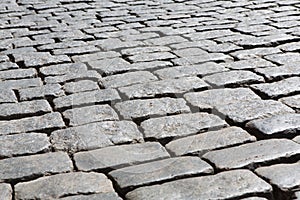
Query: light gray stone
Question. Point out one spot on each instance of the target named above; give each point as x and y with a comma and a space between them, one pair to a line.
151, 57
55, 186
62, 69
5, 191
276, 72
249, 64
7, 96
102, 196
181, 125
297, 139
95, 56
168, 169
292, 101
18, 74
146, 108
110, 66
252, 154
80, 86
117, 156
284, 58
21, 83
225, 185
36, 165
48, 90
255, 53
204, 142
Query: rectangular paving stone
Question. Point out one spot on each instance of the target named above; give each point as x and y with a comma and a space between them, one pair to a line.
18, 74
130, 78
140, 50
181, 125
167, 86
88, 97
253, 154
5, 191
75, 50
47, 121
285, 176
277, 72
8, 65
279, 88
117, 156
166, 40
233, 78
193, 70
249, 64
204, 142
88, 114
62, 69
198, 59
95, 135
12, 110
168, 169
48, 90
89, 74
7, 96
190, 52
285, 58
292, 101
146, 108
241, 112
110, 66
95, 56
21, 83
225, 185
211, 98
255, 53
280, 124
151, 57
18, 168
70, 184
102, 196
80, 86
21, 144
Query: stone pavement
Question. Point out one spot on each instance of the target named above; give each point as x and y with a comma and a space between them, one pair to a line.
150, 99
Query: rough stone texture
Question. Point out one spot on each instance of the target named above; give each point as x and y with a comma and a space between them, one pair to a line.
35, 165
52, 187
284, 124
160, 171
110, 66
47, 121
249, 64
284, 59
241, 112
168, 86
7, 96
85, 115
80, 86
180, 125
62, 69
292, 101
17, 74
151, 57
225, 185
146, 108
204, 142
280, 88
114, 157
48, 90
211, 98
5, 191
21, 144
249, 155
95, 135
102, 196
233, 78
276, 72
89, 97
284, 176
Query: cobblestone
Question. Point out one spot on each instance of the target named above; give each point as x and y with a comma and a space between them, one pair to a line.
48, 90
80, 86
232, 184
276, 72
5, 191
292, 101
102, 196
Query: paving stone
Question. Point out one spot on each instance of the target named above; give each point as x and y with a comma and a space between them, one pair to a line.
150, 107
21, 144
208, 57
284, 59
194, 70
89, 74
284, 176
181, 125
116, 156
297, 139
292, 101
151, 57
76, 50
293, 46
9, 110
253, 154
162, 170
190, 52
7, 96
48, 90
126, 79
102, 196
35, 165
95, 56
144, 50
5, 191
204, 142
241, 112
167, 86
211, 98
52, 187
249, 64
225, 185
166, 40
110, 66
283, 124
255, 53
209, 34
21, 83
47, 121
281, 88
8, 65
80, 86
62, 69
233, 78
85, 115
97, 96
95, 135
278, 72
114, 43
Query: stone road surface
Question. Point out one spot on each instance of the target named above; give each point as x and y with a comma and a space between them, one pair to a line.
150, 99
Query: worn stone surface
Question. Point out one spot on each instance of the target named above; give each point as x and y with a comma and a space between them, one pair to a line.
114, 157
95, 135
284, 176
225, 185
7, 96
146, 108
5, 191
276, 72
160, 171
59, 185
249, 155
292, 101
180, 125
35, 165
48, 90
102, 196
204, 142
80, 86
